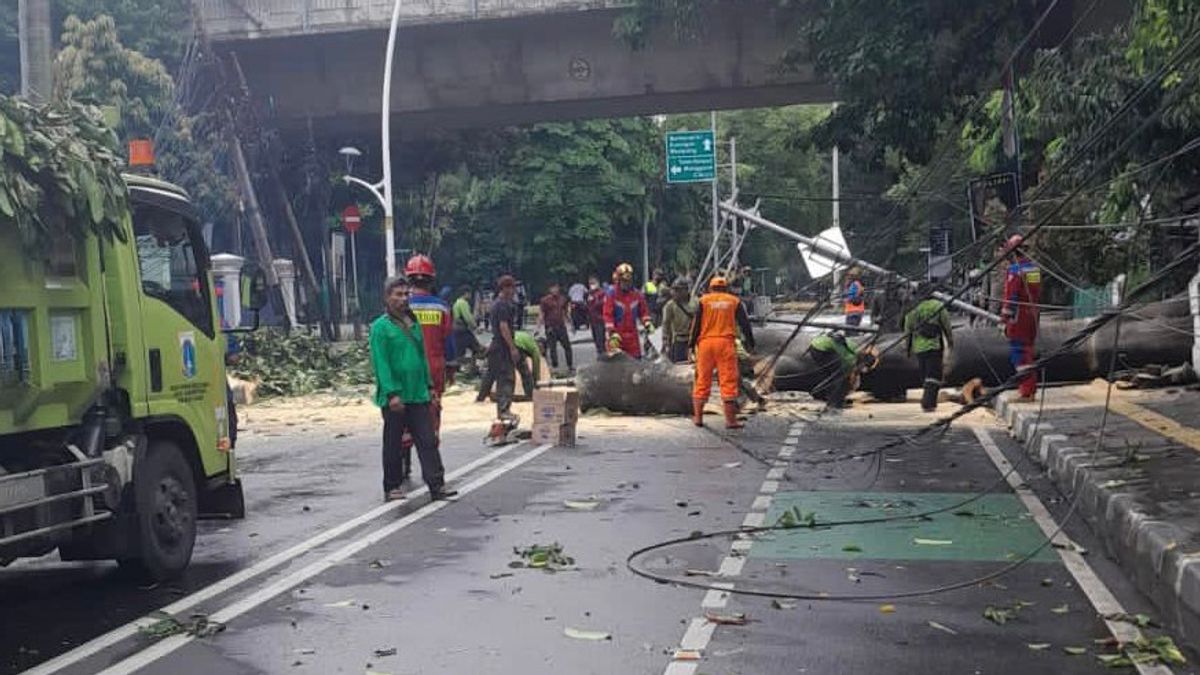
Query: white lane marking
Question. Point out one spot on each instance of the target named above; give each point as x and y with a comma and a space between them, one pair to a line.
715, 599
731, 566
1097, 593
263, 566
755, 519
700, 632
274, 589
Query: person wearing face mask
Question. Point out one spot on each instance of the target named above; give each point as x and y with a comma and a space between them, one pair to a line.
595, 306
624, 311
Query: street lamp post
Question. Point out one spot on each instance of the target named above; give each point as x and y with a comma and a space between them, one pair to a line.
383, 189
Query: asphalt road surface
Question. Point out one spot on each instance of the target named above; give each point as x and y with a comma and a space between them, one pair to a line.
320, 578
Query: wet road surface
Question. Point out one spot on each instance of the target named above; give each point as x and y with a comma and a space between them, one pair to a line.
425, 588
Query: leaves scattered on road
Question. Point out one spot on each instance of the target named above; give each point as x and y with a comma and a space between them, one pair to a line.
197, 625
550, 558
942, 627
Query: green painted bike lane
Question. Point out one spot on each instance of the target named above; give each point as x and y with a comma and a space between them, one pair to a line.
975, 527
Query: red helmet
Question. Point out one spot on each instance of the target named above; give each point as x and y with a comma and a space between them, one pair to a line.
420, 266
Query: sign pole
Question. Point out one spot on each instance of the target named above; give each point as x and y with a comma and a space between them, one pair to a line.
716, 213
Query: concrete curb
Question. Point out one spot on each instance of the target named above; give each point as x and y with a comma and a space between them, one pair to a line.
1150, 550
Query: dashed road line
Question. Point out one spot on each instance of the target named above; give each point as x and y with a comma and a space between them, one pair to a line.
700, 631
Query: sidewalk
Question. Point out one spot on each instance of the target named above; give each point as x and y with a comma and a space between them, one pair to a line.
1139, 490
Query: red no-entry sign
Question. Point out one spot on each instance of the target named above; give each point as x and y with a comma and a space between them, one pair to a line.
351, 219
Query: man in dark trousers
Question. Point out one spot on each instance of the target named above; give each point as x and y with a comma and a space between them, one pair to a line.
554, 308
503, 354
595, 304
404, 393
925, 328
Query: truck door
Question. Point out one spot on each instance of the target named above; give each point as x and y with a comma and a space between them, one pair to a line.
184, 350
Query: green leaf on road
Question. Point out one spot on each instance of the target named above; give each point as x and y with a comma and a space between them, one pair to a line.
1061, 609
1038, 646
932, 542
852, 548
998, 615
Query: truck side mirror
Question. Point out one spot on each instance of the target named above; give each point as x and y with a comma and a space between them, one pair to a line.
255, 295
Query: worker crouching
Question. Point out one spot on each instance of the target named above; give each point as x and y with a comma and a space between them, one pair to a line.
719, 315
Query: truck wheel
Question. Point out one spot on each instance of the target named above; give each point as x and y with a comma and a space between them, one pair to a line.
165, 521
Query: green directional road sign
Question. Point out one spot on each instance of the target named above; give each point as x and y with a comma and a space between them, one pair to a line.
691, 157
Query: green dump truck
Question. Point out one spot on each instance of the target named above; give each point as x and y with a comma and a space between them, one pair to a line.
114, 426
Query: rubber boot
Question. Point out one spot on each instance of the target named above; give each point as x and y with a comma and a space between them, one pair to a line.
731, 416
698, 412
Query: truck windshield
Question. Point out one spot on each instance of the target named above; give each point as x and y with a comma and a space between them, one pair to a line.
169, 265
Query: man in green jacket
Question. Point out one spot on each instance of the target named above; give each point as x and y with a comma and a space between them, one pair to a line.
677, 321
925, 326
465, 326
836, 359
404, 393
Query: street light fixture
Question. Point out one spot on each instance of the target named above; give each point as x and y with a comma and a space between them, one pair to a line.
383, 189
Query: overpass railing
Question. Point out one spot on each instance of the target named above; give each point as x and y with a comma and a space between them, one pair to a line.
248, 19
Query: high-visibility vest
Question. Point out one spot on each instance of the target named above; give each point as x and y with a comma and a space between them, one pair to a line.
856, 301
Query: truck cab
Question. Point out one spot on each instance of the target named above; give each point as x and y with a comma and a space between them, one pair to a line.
114, 421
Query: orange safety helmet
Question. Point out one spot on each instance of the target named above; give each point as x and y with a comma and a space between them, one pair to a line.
718, 282
420, 266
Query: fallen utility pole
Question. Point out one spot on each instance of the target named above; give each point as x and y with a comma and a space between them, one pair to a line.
824, 325
841, 256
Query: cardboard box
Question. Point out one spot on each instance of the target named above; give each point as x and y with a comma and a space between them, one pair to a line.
558, 435
556, 406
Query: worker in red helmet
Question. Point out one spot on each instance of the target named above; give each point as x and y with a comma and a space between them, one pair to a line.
1022, 293
625, 310
437, 328
719, 316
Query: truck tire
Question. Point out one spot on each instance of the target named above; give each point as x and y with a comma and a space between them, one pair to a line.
165, 519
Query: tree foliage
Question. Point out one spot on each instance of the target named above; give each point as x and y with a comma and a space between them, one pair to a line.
59, 174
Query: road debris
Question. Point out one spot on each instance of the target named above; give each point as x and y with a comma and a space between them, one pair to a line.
1061, 609
686, 655
581, 505
887, 609
1038, 646
381, 653
549, 558
942, 627
581, 634
780, 604
794, 517
165, 625
735, 619
998, 615
1075, 651
1139, 620
932, 542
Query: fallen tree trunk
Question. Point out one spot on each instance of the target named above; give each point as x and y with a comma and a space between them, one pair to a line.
1157, 334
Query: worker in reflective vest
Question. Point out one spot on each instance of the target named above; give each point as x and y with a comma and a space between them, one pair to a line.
719, 315
437, 329
1022, 293
855, 298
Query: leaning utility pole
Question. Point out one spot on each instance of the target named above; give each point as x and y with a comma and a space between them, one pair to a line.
37, 50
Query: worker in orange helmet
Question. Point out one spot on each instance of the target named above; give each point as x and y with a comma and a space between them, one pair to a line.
719, 315
1020, 313
437, 328
624, 309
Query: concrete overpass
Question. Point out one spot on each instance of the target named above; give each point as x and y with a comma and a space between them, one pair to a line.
477, 63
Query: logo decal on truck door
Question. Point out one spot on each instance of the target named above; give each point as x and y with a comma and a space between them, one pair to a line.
187, 353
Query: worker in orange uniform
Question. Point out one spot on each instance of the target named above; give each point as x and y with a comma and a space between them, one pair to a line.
1022, 293
624, 310
437, 328
855, 298
719, 315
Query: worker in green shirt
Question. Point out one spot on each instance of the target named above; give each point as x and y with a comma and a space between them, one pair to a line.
527, 350
465, 326
404, 393
836, 360
925, 327
677, 321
